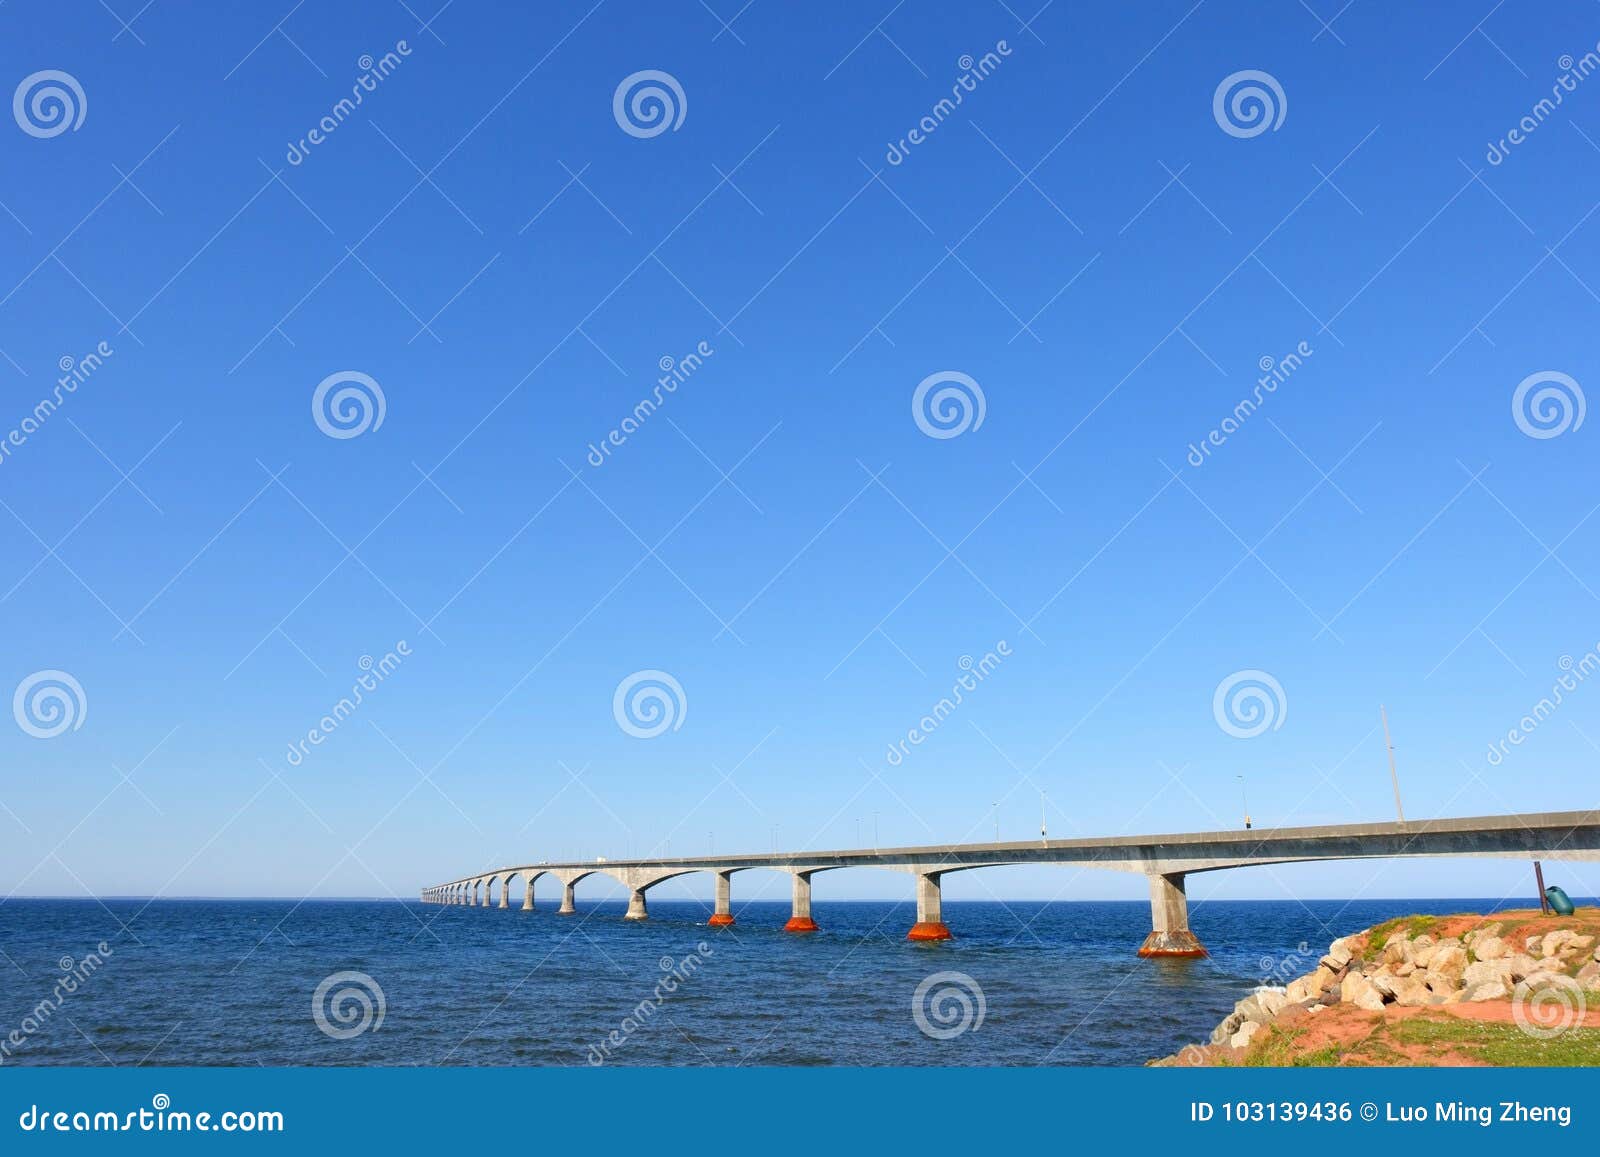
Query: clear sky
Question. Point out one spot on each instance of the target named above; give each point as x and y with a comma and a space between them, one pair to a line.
1105, 252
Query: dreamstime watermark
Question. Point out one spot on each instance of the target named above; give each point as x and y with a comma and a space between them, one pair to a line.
648, 103
948, 1004
948, 404
1277, 971
678, 973
1573, 673
973, 672
1548, 404
74, 974
49, 703
348, 404
674, 372
74, 372
1249, 703
347, 1004
1549, 1010
159, 1118
48, 103
973, 72
1248, 103
373, 673
1573, 73
373, 73
649, 703
1274, 372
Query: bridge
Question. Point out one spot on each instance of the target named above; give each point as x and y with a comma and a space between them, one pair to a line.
1166, 860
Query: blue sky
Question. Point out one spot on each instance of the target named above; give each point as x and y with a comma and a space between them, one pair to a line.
1080, 237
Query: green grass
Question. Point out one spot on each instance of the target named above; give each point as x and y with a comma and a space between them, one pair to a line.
1276, 1050
1501, 1045
1497, 1045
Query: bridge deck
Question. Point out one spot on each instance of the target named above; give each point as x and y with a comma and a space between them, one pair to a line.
1165, 859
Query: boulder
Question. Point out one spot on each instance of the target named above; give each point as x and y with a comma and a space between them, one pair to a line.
1486, 971
1248, 1011
1422, 953
1448, 961
1533, 944
1271, 1003
1324, 978
1521, 965
1555, 941
1494, 990
1359, 991
1443, 986
1339, 953
1230, 1025
1412, 991
1490, 948
1542, 978
1302, 989
1396, 951
1384, 981
1246, 1032
1589, 973
1581, 942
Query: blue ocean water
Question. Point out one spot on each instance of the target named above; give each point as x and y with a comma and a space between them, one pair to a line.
233, 982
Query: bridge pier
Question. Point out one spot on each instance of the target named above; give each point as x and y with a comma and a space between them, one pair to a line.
505, 892
527, 893
1169, 919
636, 908
569, 897
722, 916
800, 912
930, 922
484, 903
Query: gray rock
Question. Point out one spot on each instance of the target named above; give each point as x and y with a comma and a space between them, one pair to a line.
1485, 972
1246, 1033
1490, 948
1359, 991
1449, 961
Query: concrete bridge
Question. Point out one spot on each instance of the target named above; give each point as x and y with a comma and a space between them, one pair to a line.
1165, 860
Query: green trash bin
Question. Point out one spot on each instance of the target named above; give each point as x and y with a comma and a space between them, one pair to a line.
1558, 900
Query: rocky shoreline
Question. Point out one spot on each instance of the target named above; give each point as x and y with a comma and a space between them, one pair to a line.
1509, 968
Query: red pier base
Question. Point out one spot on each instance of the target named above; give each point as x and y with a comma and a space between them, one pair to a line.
1182, 945
929, 930
800, 924
719, 919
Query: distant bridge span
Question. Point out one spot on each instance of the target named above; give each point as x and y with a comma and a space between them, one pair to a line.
1164, 859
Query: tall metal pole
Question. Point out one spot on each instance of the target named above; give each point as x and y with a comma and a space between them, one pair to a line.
1538, 875
1394, 776
1043, 837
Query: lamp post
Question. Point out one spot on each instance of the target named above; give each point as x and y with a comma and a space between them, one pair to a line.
1245, 800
